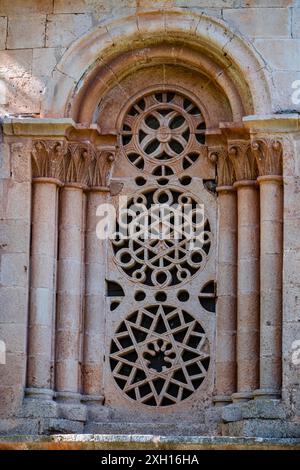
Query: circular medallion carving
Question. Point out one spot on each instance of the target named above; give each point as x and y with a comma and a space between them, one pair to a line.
170, 238
159, 355
162, 128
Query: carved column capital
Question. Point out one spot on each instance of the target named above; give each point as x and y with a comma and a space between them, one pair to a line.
268, 154
243, 161
47, 159
225, 170
100, 167
76, 162
72, 162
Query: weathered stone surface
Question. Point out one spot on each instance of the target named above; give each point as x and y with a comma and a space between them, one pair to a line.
45, 60
26, 31
72, 6
265, 409
4, 161
19, 7
16, 63
97, 413
274, 53
13, 334
10, 401
263, 428
13, 301
51, 425
63, 29
232, 412
20, 426
72, 412
33, 408
257, 22
3, 31
23, 94
108, 442
14, 269
296, 22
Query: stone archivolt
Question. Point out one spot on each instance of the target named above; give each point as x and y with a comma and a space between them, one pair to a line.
72, 162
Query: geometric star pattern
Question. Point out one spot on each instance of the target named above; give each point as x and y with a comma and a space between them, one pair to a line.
159, 355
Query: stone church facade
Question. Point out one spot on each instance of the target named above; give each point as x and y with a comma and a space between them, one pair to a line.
150, 102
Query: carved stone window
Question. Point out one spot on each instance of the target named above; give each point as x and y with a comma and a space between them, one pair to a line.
160, 333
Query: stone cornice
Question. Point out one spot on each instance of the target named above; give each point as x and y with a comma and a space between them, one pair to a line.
272, 123
64, 151
32, 127
27, 127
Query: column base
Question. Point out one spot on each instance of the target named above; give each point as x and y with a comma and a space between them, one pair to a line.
39, 393
92, 399
96, 411
69, 406
34, 407
266, 394
222, 400
241, 397
67, 397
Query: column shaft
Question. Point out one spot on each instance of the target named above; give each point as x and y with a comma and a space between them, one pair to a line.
271, 210
226, 304
43, 251
248, 290
69, 292
94, 302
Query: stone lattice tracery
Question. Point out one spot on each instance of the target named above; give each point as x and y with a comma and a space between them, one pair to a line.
162, 254
163, 133
159, 355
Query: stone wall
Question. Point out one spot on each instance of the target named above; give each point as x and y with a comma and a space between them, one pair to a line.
34, 35
33, 38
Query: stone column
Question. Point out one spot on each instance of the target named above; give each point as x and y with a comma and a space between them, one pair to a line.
226, 284
247, 270
268, 153
46, 164
41, 310
69, 292
94, 321
67, 367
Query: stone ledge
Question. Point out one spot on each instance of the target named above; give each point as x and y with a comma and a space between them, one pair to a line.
265, 428
264, 409
139, 441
